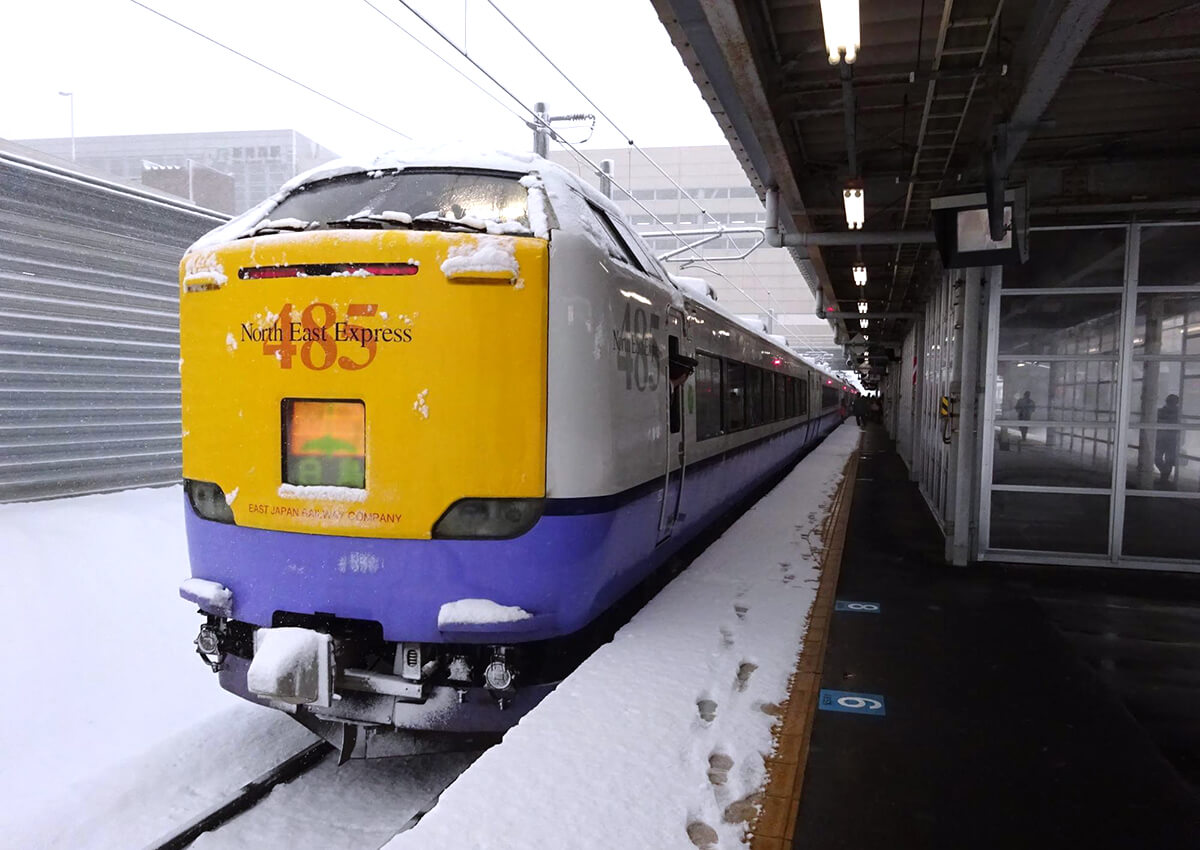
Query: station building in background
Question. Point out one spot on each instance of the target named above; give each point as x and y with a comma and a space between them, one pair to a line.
258, 160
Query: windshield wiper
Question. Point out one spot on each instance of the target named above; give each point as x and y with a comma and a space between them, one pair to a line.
372, 221
289, 225
429, 221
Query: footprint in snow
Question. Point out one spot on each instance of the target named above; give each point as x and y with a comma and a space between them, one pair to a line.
744, 810
741, 610
707, 709
745, 670
702, 835
719, 765
726, 638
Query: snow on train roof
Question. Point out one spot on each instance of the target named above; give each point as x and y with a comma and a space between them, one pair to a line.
563, 189
553, 177
698, 289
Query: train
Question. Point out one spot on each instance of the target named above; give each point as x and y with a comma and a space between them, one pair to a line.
441, 412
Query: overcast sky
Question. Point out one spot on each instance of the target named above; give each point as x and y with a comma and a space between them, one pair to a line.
131, 71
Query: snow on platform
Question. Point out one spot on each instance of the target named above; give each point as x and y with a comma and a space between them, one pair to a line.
114, 731
619, 755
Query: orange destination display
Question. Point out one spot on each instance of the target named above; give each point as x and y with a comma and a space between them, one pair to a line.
325, 443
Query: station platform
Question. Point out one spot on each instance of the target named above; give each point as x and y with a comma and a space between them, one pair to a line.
992, 729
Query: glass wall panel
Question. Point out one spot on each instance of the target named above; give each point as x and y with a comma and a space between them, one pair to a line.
1157, 527
1056, 391
1167, 323
1060, 324
1166, 391
1168, 256
1163, 459
1062, 258
1053, 457
1051, 522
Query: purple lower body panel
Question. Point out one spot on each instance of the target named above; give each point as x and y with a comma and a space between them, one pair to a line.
564, 572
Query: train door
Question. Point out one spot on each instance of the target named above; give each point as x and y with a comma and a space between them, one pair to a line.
681, 363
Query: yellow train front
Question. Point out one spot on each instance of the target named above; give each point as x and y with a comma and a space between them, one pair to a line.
414, 472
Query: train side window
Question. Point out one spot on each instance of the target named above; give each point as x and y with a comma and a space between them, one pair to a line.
791, 396
754, 398
648, 263
829, 397
781, 410
734, 384
768, 396
802, 396
708, 396
618, 249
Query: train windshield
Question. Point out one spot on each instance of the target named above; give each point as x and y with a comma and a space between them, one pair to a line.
472, 200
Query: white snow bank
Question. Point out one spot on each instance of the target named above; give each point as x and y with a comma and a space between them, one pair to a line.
100, 644
482, 254
618, 755
479, 612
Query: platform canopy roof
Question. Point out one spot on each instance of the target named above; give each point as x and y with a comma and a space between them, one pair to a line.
1093, 105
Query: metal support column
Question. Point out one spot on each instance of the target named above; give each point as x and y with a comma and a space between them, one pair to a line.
959, 533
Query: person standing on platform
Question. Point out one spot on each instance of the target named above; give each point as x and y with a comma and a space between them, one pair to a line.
1166, 443
860, 410
1025, 408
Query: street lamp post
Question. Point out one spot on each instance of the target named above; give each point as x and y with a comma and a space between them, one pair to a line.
71, 96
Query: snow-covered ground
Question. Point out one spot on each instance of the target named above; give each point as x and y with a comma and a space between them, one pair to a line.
113, 731
661, 731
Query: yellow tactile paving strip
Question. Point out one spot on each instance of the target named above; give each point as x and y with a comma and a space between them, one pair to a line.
785, 770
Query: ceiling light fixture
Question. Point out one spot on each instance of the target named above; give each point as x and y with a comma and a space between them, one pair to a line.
855, 207
842, 36
862, 306
860, 274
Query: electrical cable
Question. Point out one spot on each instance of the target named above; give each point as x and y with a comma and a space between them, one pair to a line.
538, 119
593, 104
265, 67
444, 60
634, 146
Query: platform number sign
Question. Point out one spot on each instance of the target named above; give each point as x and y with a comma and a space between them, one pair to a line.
858, 607
851, 703
637, 350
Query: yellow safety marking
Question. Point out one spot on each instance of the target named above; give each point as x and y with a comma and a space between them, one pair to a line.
780, 801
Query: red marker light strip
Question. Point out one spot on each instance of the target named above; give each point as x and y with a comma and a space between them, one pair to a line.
329, 270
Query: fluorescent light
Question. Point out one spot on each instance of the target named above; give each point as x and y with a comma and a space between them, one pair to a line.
862, 323
840, 20
860, 275
862, 306
855, 207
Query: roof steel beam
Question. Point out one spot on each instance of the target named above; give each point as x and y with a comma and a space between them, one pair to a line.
1048, 49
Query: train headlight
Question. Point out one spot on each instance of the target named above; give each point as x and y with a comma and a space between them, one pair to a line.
208, 641
208, 500
494, 519
498, 676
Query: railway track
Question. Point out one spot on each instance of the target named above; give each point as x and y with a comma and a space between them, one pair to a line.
249, 795
245, 797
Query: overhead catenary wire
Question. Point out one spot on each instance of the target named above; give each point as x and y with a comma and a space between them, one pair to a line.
266, 67
594, 105
443, 60
537, 119
634, 146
